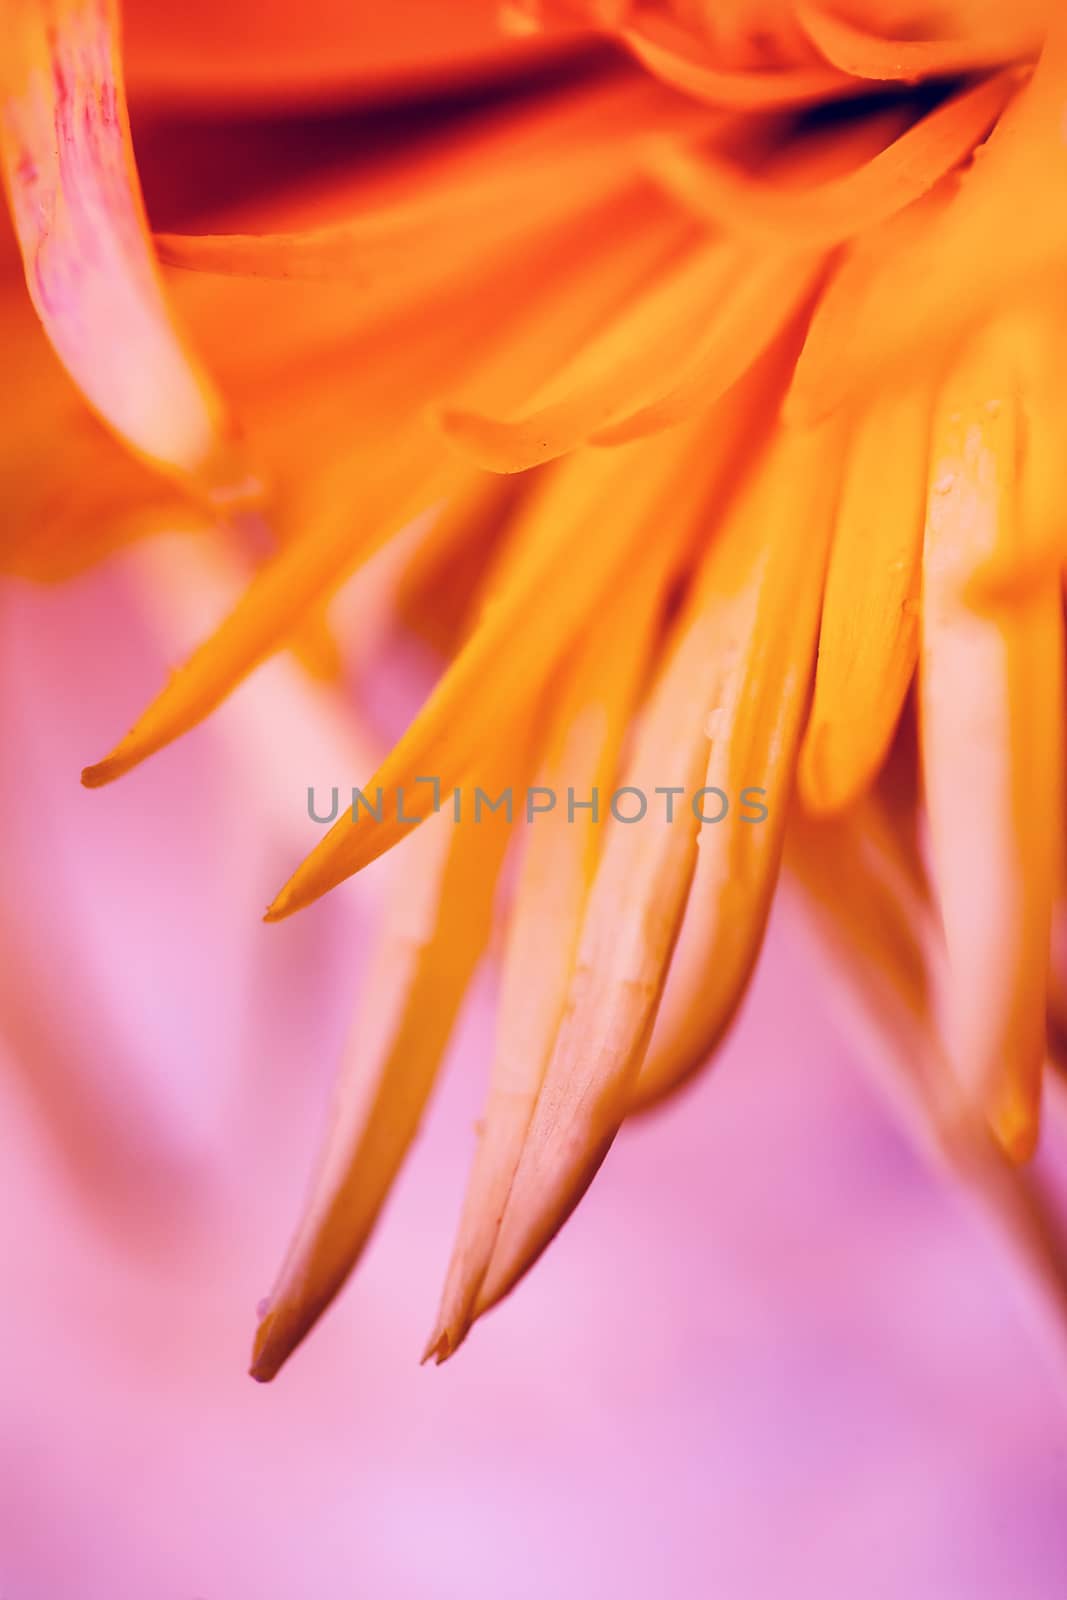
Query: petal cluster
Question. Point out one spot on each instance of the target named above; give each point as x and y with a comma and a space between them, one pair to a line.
716, 360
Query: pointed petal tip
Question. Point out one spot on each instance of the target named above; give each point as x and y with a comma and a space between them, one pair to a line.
271, 1348
126, 756
1016, 1128
438, 1349
318, 875
102, 772
288, 900
825, 781
444, 1342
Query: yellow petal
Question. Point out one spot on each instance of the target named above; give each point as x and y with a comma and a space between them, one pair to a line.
565, 572
278, 600
766, 617
627, 935
1013, 574
639, 894
346, 506
869, 639
435, 930
559, 858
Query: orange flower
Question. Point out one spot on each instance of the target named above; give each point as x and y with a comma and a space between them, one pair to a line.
718, 346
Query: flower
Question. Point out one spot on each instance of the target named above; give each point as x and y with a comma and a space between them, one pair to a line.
721, 361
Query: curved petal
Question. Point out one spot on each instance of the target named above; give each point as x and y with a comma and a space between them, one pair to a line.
563, 572
588, 723
918, 282
767, 621
992, 703
838, 209
869, 636
666, 49
436, 929
744, 644
68, 166
863, 54
272, 52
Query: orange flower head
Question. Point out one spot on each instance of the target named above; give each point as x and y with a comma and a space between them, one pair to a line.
701, 363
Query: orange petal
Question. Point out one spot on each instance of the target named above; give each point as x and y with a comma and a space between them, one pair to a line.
758, 309
819, 216
992, 738
501, 179
500, 211
630, 364
258, 52
913, 287
864, 54
665, 48
69, 171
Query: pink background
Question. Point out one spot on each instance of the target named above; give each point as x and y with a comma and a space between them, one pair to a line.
771, 1356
